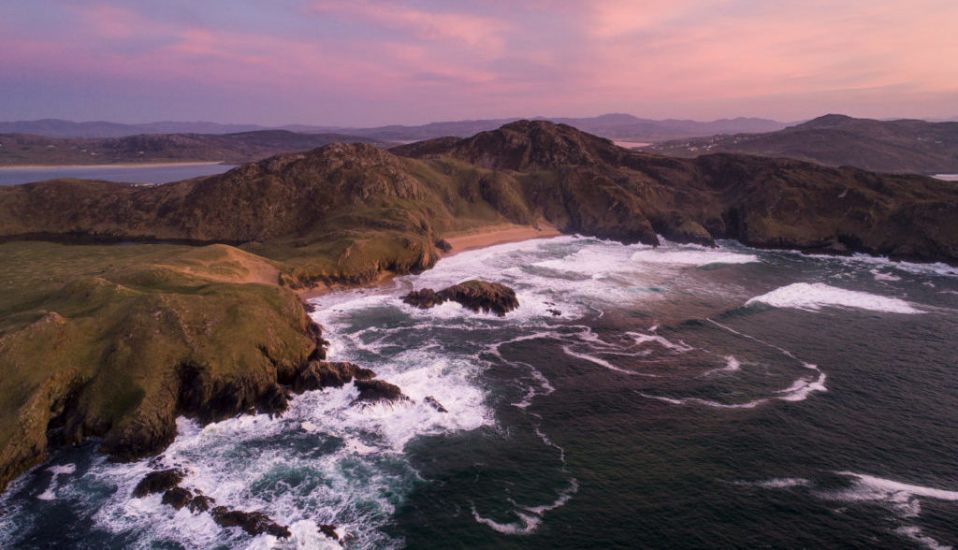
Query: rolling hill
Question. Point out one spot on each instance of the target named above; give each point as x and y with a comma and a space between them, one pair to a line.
20, 149
901, 146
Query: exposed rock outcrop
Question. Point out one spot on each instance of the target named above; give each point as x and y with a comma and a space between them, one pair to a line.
474, 295
254, 523
434, 403
326, 374
158, 482
378, 391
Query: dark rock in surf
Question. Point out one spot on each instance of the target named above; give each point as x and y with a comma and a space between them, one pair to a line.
444, 245
177, 497
254, 523
201, 503
377, 391
158, 482
434, 403
328, 374
274, 400
329, 531
474, 295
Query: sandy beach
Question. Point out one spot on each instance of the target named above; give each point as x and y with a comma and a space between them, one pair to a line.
469, 240
498, 234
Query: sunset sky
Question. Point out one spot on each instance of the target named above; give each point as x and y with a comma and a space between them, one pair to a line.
342, 62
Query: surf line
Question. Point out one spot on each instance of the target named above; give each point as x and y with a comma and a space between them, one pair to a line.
798, 391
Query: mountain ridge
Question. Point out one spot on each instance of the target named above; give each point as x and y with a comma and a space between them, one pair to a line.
903, 145
616, 125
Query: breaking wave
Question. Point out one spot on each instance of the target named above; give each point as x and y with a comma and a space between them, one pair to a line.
815, 296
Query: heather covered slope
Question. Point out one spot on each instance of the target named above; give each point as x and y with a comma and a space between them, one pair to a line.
116, 340
899, 146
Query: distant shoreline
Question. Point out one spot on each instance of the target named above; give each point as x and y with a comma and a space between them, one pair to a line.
122, 165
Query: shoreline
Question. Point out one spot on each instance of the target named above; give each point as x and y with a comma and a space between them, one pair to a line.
119, 165
497, 234
483, 237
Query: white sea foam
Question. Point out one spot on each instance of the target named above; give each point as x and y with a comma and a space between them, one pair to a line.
901, 498
916, 534
731, 365
884, 277
686, 257
899, 495
935, 268
783, 483
59, 470
815, 296
528, 518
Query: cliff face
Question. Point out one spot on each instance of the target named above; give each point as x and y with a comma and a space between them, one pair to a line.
115, 341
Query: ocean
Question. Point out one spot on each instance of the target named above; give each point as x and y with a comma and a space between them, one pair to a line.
678, 396
158, 173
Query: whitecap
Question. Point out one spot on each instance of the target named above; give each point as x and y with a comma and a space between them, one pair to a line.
731, 365
59, 470
528, 517
696, 258
916, 534
815, 296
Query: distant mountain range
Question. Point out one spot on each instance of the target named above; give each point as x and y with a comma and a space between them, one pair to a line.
836, 140
20, 149
614, 126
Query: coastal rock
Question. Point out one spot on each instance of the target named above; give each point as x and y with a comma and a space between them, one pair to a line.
377, 391
444, 245
474, 295
178, 497
329, 531
434, 403
326, 374
158, 482
201, 503
254, 523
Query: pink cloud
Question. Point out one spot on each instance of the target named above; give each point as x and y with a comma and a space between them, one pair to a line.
478, 32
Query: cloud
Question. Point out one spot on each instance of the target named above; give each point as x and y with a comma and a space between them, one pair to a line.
405, 61
482, 33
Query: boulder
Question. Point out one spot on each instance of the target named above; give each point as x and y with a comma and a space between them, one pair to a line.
254, 523
177, 497
201, 503
474, 295
158, 482
329, 531
376, 391
444, 245
434, 403
326, 374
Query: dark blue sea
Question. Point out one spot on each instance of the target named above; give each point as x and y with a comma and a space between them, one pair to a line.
678, 397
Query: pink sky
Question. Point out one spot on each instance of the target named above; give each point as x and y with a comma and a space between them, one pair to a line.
343, 62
